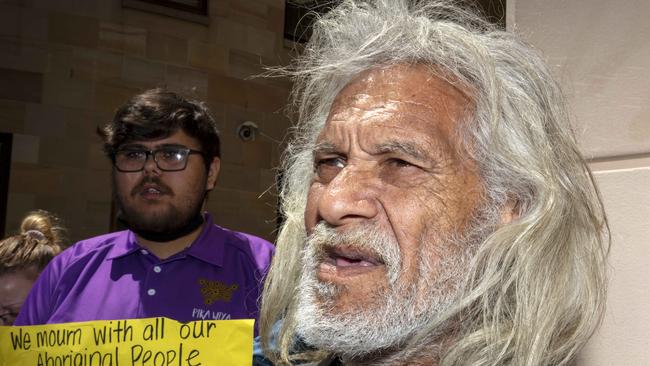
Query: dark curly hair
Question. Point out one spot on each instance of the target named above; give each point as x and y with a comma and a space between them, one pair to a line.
158, 113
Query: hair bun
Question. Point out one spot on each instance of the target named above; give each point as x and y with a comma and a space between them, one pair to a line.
41, 225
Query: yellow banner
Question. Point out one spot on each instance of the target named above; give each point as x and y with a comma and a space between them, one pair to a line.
130, 342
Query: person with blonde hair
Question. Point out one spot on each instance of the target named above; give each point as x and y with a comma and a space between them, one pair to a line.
23, 257
438, 210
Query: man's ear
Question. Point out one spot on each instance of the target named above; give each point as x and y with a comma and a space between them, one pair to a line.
213, 173
509, 212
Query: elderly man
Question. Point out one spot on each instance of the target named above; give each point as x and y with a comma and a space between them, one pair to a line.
438, 210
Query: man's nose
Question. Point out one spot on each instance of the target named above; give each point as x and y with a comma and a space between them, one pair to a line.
350, 197
150, 165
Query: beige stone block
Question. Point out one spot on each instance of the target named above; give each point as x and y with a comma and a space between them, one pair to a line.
228, 32
9, 20
603, 68
97, 160
124, 38
83, 64
109, 97
268, 183
18, 205
23, 55
257, 154
275, 19
98, 215
189, 82
232, 150
218, 111
227, 90
73, 30
60, 61
266, 98
243, 211
219, 8
208, 56
253, 13
61, 152
140, 73
164, 25
25, 149
622, 338
20, 85
12, 116
275, 126
82, 124
163, 47
260, 42
248, 66
276, 156
34, 24
109, 67
239, 177
35, 179
97, 184
274, 3
45, 120
79, 64
67, 92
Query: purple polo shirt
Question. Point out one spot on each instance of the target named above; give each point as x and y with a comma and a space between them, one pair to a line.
219, 276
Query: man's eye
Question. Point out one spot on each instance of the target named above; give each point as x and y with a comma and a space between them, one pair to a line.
327, 169
400, 163
134, 155
171, 154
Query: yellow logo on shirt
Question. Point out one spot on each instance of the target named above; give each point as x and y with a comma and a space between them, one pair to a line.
216, 291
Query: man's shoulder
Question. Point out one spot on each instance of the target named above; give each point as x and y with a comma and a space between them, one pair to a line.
255, 248
97, 245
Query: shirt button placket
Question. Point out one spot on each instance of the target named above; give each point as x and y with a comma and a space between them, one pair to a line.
157, 269
152, 291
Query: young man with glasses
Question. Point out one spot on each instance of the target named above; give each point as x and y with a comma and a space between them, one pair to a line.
173, 261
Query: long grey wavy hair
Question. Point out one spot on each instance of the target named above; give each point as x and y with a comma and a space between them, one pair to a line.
536, 289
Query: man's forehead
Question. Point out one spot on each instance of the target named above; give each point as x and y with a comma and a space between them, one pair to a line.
177, 137
402, 100
418, 83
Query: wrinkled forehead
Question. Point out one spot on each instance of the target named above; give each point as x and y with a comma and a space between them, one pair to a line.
406, 92
418, 81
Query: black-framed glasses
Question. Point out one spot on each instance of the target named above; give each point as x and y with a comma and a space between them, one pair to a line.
167, 158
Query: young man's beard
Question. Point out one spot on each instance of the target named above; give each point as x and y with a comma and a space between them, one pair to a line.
394, 313
173, 223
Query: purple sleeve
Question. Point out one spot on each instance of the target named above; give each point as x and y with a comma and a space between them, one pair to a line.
262, 255
38, 305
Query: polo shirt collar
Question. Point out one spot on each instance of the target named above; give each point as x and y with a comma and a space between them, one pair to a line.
125, 244
209, 245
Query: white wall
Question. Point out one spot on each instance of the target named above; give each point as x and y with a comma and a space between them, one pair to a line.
600, 50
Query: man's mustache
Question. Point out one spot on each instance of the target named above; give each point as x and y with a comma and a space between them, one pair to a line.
380, 244
151, 182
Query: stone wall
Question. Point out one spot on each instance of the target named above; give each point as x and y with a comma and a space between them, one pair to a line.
66, 65
600, 51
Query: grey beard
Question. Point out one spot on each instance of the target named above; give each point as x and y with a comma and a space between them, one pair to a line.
391, 316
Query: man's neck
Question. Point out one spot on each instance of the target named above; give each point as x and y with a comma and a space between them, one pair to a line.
164, 250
